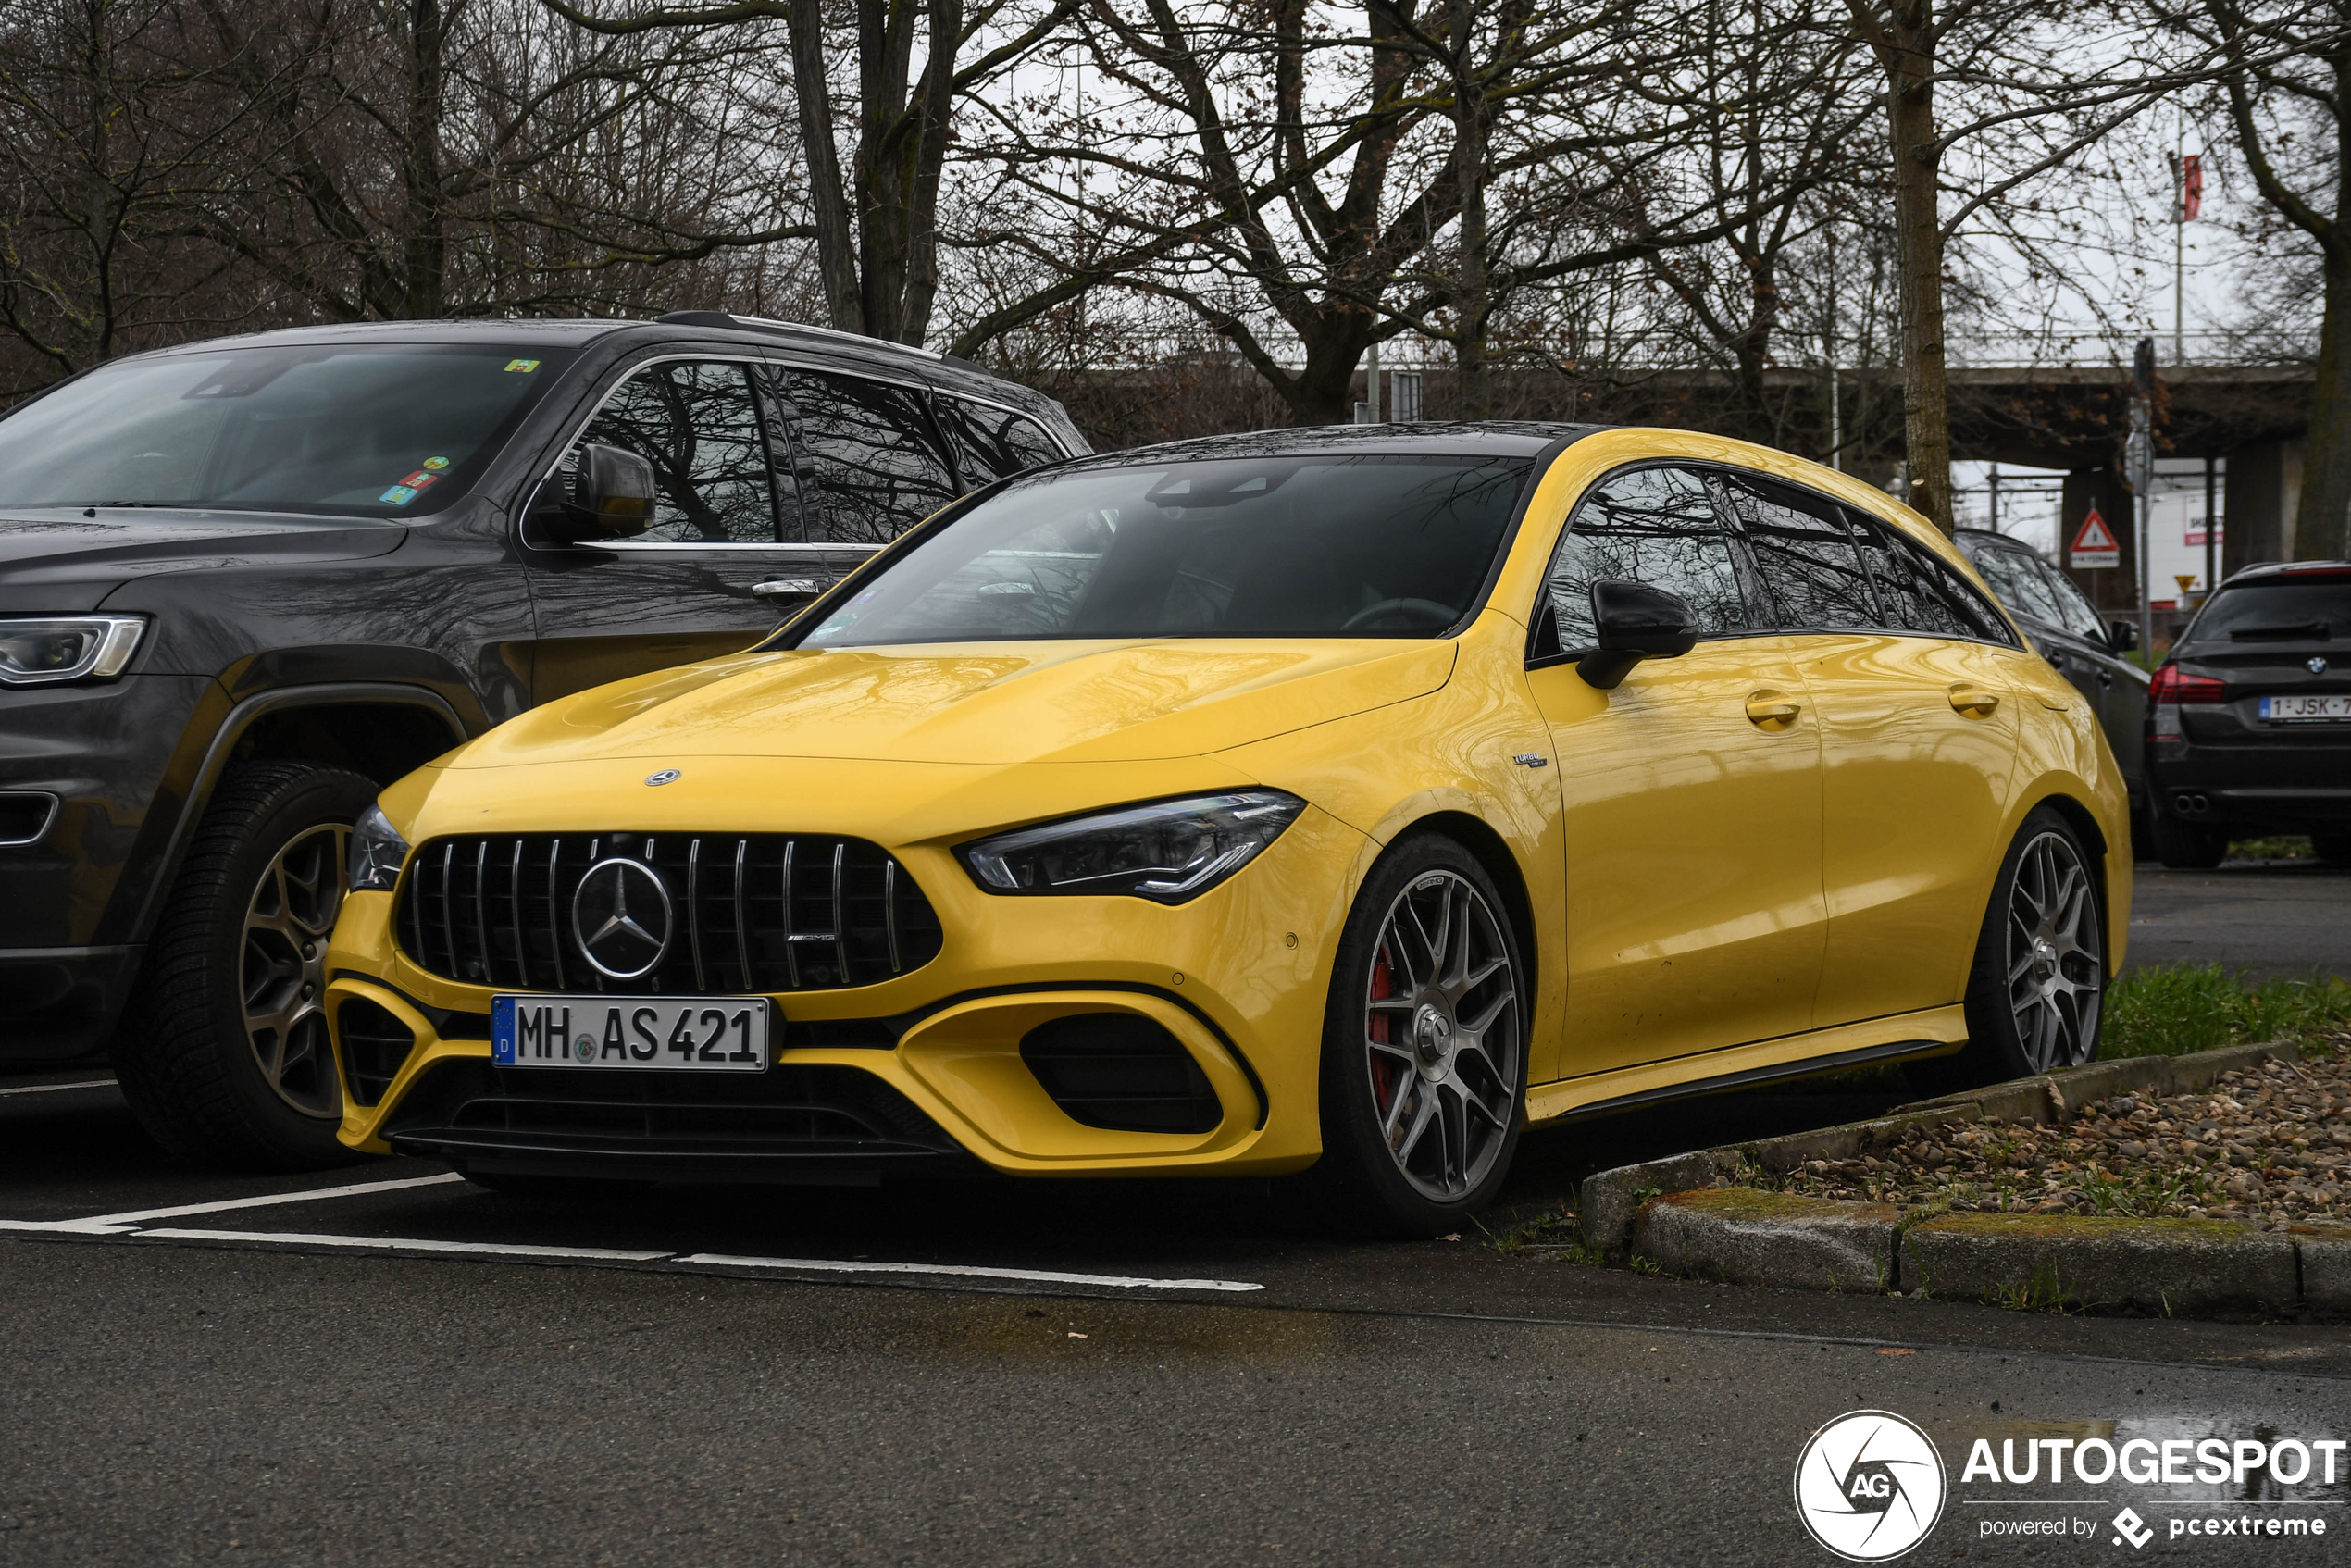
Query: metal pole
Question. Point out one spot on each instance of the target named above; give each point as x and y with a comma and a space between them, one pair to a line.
2178, 249
1994, 503
2211, 493
1371, 394
2140, 464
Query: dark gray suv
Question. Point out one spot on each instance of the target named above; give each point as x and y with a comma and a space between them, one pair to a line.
245, 583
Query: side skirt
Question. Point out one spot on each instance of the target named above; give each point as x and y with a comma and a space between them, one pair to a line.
1905, 1037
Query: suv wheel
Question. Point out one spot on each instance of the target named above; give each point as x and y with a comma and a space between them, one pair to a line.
1424, 1081
2185, 848
223, 1049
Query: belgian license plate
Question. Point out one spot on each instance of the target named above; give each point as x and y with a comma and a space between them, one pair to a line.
699, 1034
2290, 709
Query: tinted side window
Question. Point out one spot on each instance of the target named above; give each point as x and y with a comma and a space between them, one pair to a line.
2080, 617
872, 464
992, 443
1919, 592
1656, 525
1811, 569
699, 423
2020, 587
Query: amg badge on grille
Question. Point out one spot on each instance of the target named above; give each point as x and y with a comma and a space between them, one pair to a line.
621, 917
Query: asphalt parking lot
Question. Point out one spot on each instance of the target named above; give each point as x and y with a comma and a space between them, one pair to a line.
2277, 918
383, 1362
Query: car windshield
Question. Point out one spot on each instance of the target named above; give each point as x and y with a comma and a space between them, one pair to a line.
2280, 609
386, 430
1356, 545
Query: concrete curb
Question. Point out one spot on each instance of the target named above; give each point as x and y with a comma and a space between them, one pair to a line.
2172, 1268
1609, 1199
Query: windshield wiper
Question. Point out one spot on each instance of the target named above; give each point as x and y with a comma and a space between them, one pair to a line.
160, 506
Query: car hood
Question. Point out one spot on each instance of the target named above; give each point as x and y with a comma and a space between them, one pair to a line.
57, 559
983, 704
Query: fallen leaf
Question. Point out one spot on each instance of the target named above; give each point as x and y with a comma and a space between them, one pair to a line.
1075, 1335
1891, 1350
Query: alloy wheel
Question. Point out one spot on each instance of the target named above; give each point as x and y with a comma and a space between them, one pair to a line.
2056, 957
282, 968
1442, 1026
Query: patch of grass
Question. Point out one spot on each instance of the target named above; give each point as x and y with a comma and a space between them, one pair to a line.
2173, 1009
2045, 1293
2285, 847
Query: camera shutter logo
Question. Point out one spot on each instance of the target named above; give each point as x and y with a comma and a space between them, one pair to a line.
621, 918
1870, 1485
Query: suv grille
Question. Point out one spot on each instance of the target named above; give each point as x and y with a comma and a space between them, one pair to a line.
756, 913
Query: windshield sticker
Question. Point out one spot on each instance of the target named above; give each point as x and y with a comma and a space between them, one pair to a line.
435, 464
523, 366
420, 480
398, 495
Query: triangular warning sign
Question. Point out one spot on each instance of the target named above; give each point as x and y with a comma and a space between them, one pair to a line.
2095, 544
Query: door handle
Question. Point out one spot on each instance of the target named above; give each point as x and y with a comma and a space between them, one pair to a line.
1974, 701
790, 588
1768, 709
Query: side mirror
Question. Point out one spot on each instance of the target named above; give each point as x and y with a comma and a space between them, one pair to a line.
1635, 622
608, 495
2123, 636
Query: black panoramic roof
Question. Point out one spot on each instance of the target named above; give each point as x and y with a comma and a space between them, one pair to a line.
1492, 438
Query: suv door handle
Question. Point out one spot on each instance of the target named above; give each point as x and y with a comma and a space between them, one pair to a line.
1768, 709
790, 588
1972, 701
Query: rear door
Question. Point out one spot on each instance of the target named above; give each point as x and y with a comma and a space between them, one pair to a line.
726, 523
1691, 794
1913, 677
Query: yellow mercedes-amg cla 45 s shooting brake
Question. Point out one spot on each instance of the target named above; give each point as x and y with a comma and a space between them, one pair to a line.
1334, 799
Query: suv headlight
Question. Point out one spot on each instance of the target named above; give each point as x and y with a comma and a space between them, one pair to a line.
43, 650
1170, 852
377, 850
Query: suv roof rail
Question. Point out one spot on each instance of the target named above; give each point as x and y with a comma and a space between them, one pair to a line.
763, 324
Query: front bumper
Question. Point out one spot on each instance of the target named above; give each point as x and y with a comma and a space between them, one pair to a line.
922, 1073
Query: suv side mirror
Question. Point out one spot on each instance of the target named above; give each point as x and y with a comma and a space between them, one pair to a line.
609, 496
1635, 622
2123, 636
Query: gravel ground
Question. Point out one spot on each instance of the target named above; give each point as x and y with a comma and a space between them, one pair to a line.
2271, 1145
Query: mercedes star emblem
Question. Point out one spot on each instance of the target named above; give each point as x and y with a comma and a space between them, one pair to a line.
621, 918
2317, 666
666, 775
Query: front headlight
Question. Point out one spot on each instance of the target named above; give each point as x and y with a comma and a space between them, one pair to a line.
43, 650
1168, 851
377, 850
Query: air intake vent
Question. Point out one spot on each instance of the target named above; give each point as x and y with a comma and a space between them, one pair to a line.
375, 1046
757, 913
1121, 1071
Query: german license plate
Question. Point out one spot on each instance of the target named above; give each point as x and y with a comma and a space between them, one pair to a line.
697, 1034
2288, 710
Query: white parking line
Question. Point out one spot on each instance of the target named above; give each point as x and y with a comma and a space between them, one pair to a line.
410, 1244
52, 1089
115, 1225
1045, 1276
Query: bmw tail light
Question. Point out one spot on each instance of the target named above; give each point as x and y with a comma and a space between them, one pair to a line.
2169, 689
2174, 685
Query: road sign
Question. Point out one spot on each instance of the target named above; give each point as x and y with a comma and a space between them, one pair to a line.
2094, 545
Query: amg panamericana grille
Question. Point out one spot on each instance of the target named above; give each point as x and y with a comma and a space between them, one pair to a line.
756, 913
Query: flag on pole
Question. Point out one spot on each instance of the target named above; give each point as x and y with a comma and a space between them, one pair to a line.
2191, 187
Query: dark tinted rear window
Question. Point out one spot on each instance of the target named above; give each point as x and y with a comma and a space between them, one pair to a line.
2283, 609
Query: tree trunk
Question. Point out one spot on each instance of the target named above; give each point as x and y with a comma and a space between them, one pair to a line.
1926, 410
2320, 533
1908, 56
426, 244
1469, 173
836, 248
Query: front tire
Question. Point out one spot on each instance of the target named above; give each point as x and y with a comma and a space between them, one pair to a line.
1423, 1077
222, 1050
